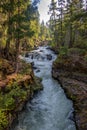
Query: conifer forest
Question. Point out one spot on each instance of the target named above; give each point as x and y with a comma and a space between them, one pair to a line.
40, 58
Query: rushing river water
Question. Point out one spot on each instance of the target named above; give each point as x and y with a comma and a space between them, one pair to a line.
49, 109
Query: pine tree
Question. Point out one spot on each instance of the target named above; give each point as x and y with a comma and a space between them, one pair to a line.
53, 19
61, 5
7, 9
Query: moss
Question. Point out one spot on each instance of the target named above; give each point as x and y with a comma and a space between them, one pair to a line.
15, 95
73, 97
3, 120
19, 88
11, 85
9, 102
38, 85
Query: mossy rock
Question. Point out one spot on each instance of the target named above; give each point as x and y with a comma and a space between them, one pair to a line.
71, 64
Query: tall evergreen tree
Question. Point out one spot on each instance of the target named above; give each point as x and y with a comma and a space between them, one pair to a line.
61, 5
53, 19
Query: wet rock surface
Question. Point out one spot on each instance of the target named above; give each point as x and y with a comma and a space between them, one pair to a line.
27, 54
74, 82
49, 57
37, 71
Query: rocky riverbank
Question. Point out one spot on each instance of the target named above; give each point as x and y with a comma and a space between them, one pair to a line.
15, 91
71, 72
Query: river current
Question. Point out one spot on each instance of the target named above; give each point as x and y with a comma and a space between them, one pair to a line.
49, 109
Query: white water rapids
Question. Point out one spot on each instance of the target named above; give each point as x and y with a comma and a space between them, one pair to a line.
49, 109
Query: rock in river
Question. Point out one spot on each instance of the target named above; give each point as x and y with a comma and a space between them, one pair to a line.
49, 57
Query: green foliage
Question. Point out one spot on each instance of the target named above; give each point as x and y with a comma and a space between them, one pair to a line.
19, 22
15, 94
52, 22
18, 90
77, 51
52, 44
63, 52
68, 28
44, 32
26, 68
38, 85
3, 120
11, 85
81, 43
18, 93
8, 102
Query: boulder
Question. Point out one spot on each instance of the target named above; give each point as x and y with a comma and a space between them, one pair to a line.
32, 63
49, 57
41, 50
37, 71
34, 67
27, 54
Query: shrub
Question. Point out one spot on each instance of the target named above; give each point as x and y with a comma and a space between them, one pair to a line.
18, 93
11, 85
3, 120
63, 52
6, 102
77, 51
52, 44
81, 43
9, 103
9, 100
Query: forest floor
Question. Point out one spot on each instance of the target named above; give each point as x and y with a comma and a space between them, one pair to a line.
71, 72
15, 90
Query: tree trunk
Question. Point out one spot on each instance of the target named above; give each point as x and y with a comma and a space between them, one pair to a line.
17, 42
71, 37
17, 55
6, 50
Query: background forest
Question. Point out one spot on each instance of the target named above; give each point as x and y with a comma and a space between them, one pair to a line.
68, 24
19, 28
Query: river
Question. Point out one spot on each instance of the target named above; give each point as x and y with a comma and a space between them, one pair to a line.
49, 109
